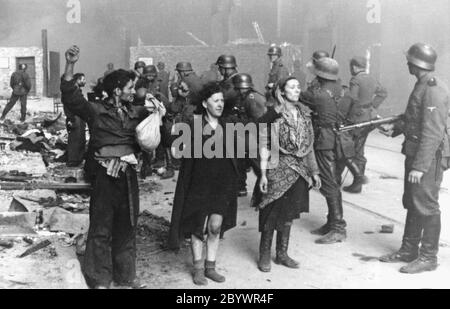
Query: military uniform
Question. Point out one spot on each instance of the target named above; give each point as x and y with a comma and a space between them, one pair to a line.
277, 72
423, 125
230, 95
21, 86
367, 95
332, 149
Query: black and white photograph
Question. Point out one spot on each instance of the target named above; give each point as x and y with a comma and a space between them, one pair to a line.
224, 150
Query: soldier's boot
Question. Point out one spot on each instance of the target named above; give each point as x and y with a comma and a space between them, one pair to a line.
427, 260
358, 178
265, 247
409, 251
337, 231
199, 273
160, 155
282, 257
324, 229
211, 273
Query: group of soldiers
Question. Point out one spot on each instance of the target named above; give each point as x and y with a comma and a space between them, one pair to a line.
333, 105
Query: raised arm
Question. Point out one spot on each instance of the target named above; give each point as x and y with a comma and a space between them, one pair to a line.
71, 95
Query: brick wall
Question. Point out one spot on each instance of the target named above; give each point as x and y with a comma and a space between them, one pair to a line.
5, 73
251, 58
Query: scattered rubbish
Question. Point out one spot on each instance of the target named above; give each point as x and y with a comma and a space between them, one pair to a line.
244, 223
8, 244
387, 229
17, 223
369, 232
36, 248
62, 220
168, 193
28, 240
52, 252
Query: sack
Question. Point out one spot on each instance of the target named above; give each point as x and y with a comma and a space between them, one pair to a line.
148, 132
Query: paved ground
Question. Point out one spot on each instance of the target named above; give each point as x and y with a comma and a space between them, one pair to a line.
352, 264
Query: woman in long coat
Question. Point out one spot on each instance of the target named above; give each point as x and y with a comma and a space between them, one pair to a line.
289, 170
206, 190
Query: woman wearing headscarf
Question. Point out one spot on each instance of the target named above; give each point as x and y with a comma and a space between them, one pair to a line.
288, 169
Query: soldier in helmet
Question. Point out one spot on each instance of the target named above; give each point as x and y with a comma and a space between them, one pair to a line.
424, 126
139, 67
331, 148
317, 55
367, 95
21, 86
228, 69
186, 74
278, 70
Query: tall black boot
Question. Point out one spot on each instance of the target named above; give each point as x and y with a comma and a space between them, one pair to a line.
358, 178
409, 251
337, 231
427, 260
282, 247
265, 247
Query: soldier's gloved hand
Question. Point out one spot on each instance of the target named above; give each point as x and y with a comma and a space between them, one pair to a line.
415, 177
72, 54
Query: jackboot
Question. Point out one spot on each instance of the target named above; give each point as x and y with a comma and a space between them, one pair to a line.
409, 251
265, 247
282, 247
211, 273
358, 178
427, 260
337, 231
199, 273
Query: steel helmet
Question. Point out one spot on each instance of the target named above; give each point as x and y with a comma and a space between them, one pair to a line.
150, 70
319, 54
243, 81
360, 62
422, 55
326, 68
184, 67
139, 64
274, 50
227, 62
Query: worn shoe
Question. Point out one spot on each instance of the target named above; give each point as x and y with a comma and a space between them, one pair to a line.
420, 265
210, 272
322, 231
332, 237
399, 257
198, 275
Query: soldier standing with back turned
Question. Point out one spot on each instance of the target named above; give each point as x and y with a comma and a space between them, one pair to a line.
424, 126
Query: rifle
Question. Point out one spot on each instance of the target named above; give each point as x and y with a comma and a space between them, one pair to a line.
374, 123
334, 52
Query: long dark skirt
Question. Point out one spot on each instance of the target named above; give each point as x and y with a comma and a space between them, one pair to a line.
287, 208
